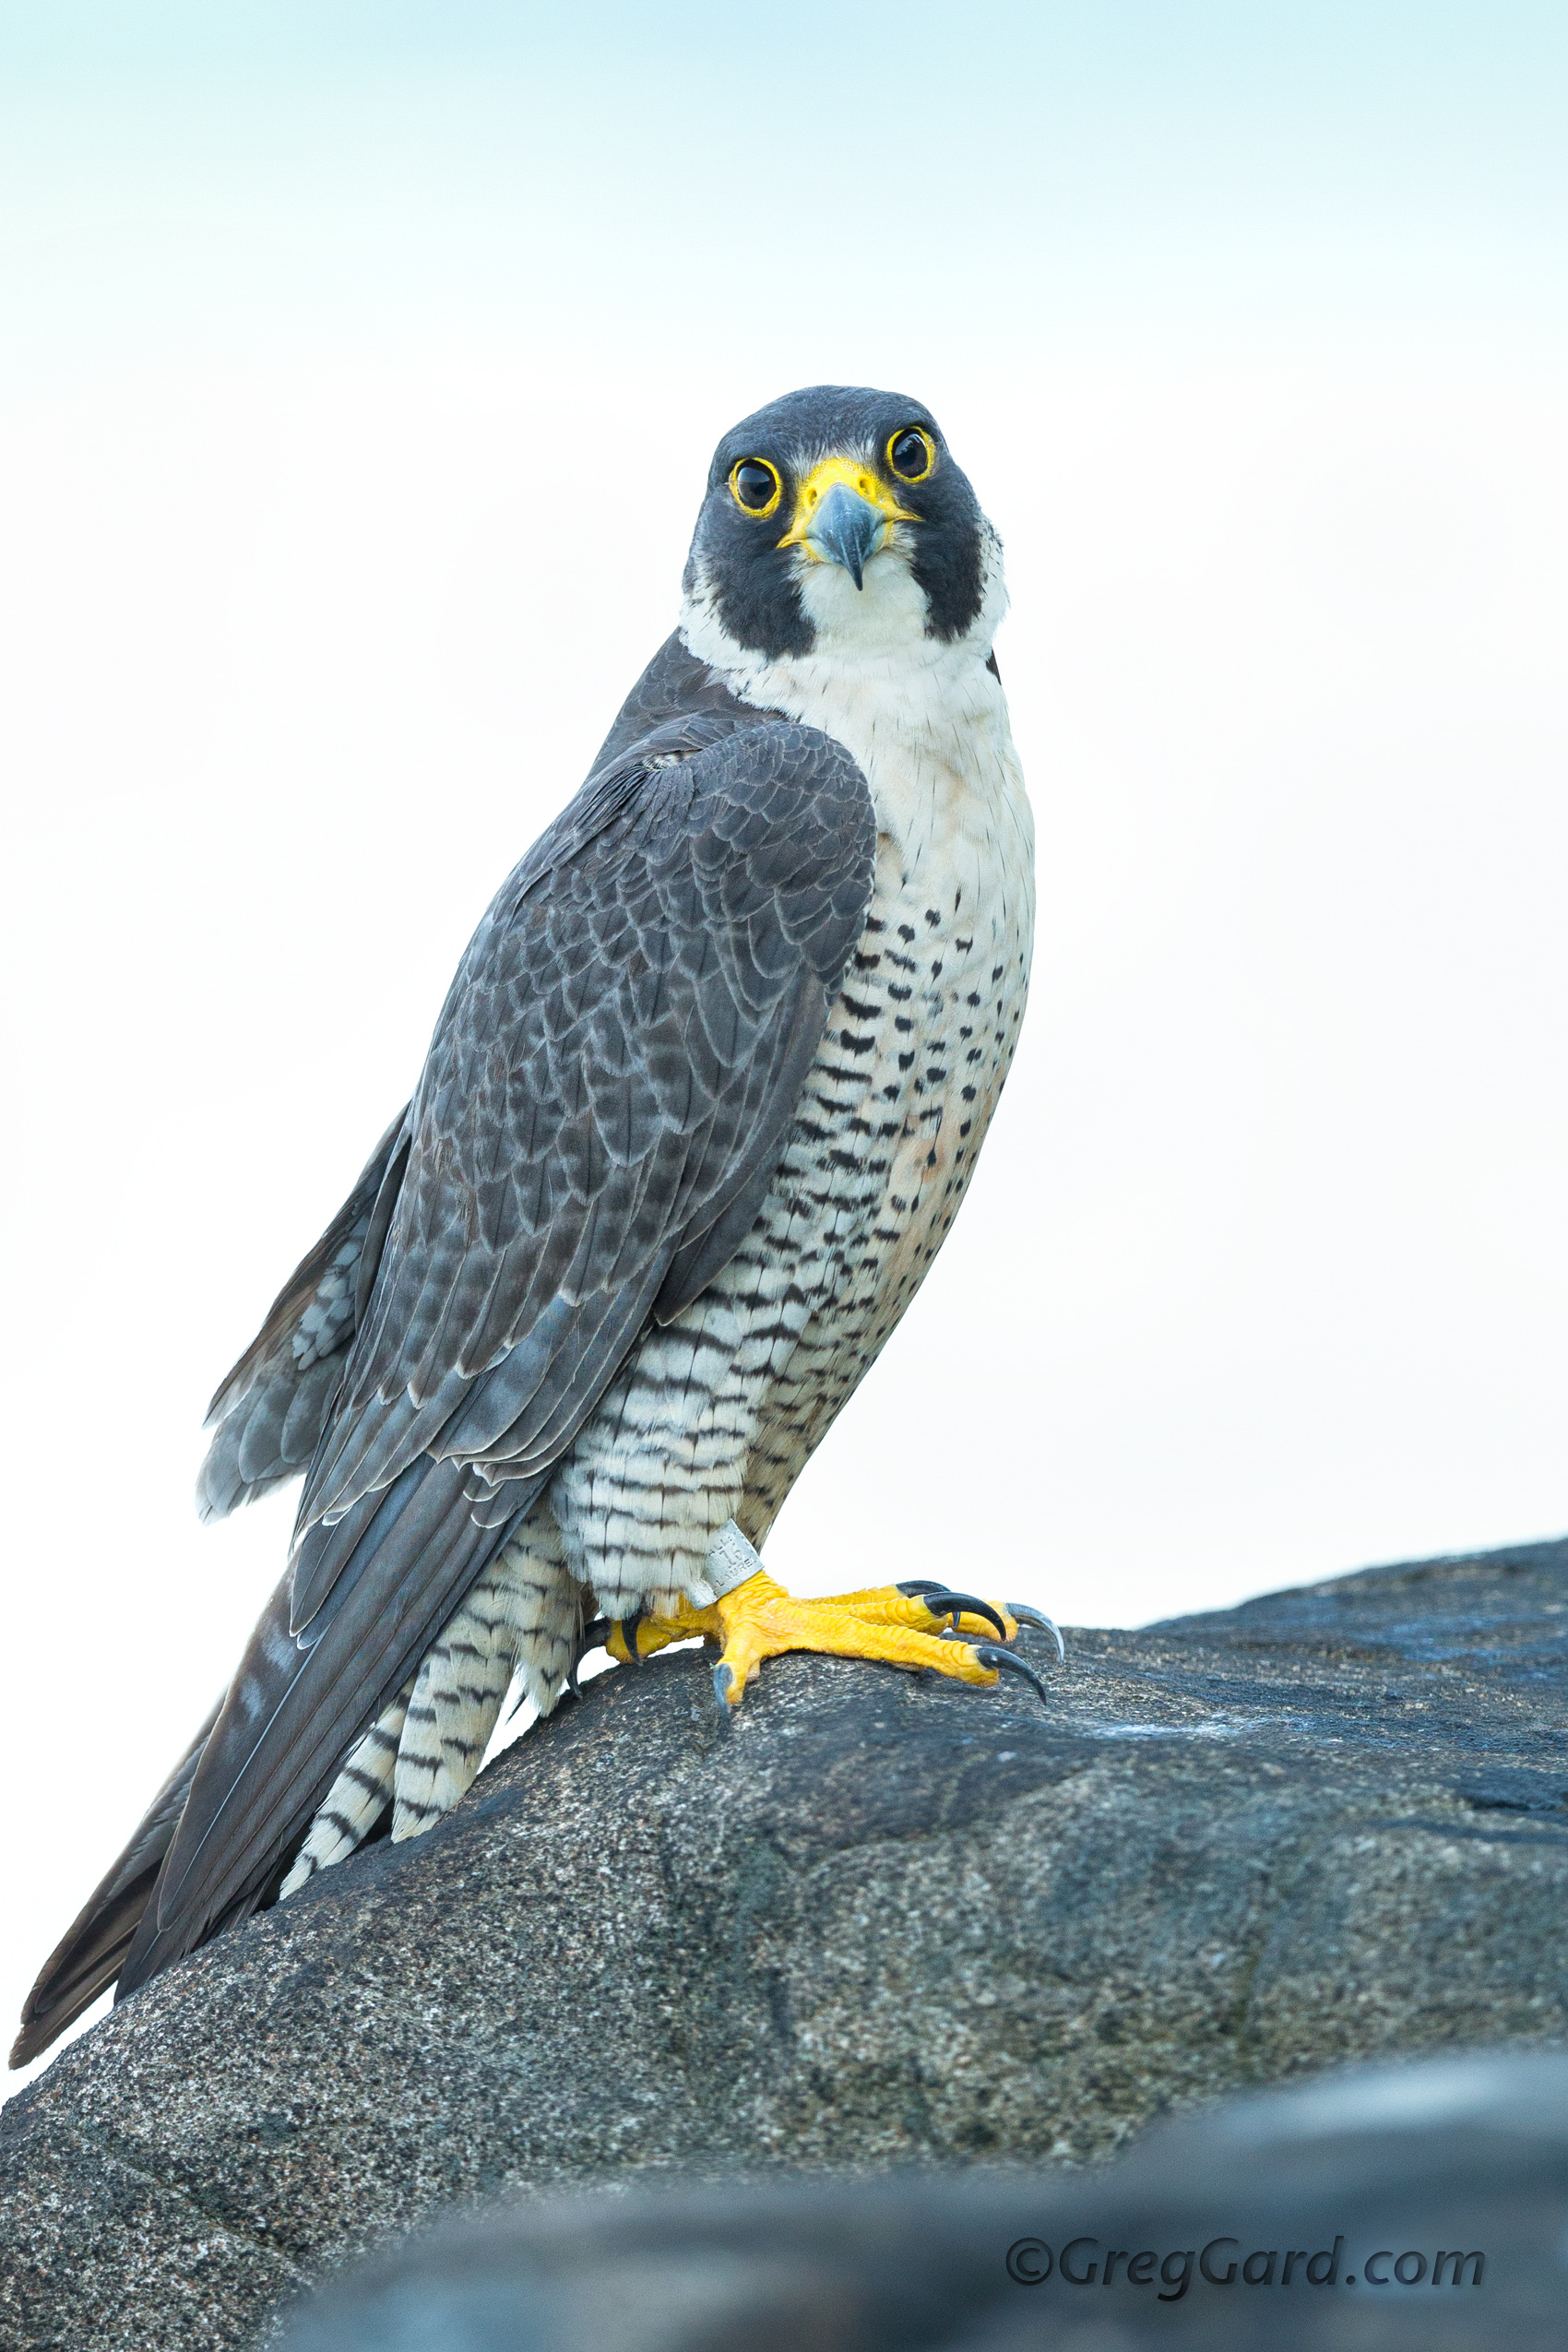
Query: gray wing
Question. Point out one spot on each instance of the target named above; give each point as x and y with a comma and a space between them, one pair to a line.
92, 1953
606, 1098
267, 1419
615, 1066
269, 1411
675, 686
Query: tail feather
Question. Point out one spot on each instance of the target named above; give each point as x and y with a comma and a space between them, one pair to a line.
220, 1838
90, 1953
295, 1708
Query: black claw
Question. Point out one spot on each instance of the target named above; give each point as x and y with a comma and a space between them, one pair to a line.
941, 1603
995, 1654
629, 1635
1037, 1617
594, 1636
913, 1590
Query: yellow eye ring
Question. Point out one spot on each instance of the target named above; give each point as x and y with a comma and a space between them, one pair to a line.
901, 465
752, 466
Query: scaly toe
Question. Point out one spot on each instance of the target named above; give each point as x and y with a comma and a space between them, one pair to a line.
922, 1606
623, 1642
633, 1640
940, 1602
762, 1620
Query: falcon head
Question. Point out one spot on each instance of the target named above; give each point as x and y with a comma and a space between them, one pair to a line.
835, 520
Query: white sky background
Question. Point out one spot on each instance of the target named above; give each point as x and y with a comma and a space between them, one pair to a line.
361, 367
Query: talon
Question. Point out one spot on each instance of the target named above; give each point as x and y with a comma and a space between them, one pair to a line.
723, 1676
628, 1629
995, 1654
942, 1603
591, 1636
918, 1586
1025, 1615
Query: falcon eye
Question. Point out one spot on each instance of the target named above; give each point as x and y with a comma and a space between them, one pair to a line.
911, 454
756, 485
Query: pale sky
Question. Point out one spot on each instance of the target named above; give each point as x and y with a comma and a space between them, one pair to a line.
359, 369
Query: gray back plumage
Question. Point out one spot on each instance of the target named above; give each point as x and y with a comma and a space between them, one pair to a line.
605, 1101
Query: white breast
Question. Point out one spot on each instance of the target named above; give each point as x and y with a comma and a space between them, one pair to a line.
925, 1030
926, 720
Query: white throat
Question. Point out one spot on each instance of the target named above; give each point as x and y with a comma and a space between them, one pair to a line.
923, 717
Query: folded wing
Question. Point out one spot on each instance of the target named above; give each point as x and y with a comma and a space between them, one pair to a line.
268, 1414
605, 1101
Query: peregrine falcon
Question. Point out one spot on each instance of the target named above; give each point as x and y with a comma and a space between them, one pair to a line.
697, 1114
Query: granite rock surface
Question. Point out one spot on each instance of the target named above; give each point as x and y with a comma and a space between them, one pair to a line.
872, 1921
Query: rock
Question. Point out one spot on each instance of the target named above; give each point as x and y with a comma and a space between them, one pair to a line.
871, 1921
1291, 2221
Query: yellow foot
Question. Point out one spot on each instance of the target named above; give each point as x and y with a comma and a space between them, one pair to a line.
758, 1618
631, 1639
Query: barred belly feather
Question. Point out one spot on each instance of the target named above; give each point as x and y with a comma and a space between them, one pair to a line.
715, 1415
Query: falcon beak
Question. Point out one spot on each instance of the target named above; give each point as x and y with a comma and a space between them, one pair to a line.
844, 515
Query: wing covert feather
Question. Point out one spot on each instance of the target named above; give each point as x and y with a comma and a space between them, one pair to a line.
605, 1099
621, 1046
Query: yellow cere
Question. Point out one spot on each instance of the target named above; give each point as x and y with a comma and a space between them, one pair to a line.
857, 476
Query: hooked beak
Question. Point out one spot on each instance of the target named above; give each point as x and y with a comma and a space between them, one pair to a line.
844, 515
846, 530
